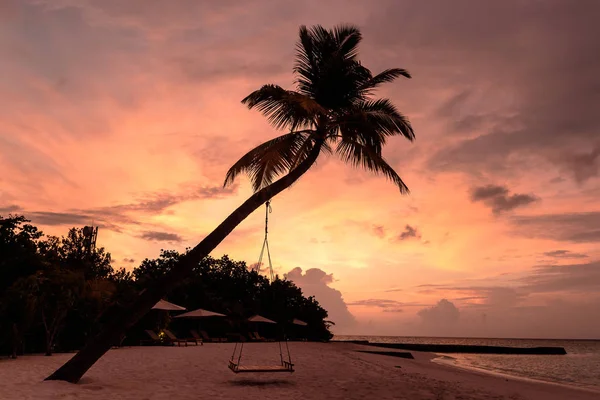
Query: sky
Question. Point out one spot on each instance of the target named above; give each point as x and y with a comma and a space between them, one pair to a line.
127, 115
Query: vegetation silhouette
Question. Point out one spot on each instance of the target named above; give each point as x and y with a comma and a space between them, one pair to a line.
56, 295
331, 110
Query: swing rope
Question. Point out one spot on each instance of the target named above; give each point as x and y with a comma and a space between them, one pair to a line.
265, 245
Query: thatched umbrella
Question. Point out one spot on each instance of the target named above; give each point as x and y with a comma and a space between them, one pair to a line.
200, 313
296, 321
256, 319
260, 318
167, 306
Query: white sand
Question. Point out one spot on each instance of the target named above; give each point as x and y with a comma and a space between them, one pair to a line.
323, 371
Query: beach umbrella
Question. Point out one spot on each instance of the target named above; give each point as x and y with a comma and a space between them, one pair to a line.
297, 331
166, 306
255, 319
200, 313
259, 318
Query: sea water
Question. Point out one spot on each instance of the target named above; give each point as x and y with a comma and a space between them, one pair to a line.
579, 367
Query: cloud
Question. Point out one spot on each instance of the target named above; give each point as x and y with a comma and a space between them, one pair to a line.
469, 298
159, 201
583, 278
582, 165
385, 305
311, 276
393, 290
564, 254
160, 236
524, 120
117, 216
379, 231
379, 303
129, 260
458, 113
548, 301
549, 319
409, 232
568, 227
62, 218
502, 296
492, 296
498, 198
10, 209
393, 310
315, 282
443, 313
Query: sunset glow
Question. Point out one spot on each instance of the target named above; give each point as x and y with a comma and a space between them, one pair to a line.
127, 115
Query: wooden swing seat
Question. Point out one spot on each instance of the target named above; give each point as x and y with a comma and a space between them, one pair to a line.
286, 367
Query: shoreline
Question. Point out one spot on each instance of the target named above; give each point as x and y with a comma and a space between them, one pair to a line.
465, 348
443, 359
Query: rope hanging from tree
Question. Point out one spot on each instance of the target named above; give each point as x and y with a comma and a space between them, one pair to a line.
268, 210
285, 364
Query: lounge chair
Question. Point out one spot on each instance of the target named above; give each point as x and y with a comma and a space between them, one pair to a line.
205, 337
254, 337
154, 339
262, 339
119, 343
177, 340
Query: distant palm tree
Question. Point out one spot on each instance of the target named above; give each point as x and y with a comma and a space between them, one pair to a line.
330, 112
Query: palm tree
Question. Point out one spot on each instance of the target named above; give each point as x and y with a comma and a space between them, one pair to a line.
331, 111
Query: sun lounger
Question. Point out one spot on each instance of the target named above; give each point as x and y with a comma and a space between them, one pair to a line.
255, 337
262, 339
154, 339
205, 337
177, 340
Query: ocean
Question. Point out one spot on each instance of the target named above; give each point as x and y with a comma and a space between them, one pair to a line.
580, 367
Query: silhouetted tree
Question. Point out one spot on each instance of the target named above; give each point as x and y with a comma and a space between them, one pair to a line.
227, 286
49, 284
72, 254
55, 291
331, 111
19, 259
71, 294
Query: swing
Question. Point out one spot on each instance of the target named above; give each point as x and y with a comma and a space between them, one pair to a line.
285, 365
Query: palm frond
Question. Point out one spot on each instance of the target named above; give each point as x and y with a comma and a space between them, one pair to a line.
386, 76
378, 118
305, 149
347, 38
359, 155
326, 65
268, 160
305, 66
284, 108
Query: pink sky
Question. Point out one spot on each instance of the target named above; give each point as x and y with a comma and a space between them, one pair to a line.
128, 115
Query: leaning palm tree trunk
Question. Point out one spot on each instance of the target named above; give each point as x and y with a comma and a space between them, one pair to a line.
77, 366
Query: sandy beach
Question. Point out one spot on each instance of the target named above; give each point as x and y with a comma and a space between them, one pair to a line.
323, 371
